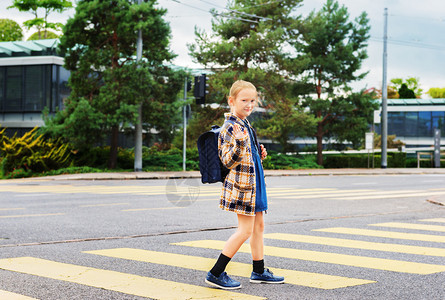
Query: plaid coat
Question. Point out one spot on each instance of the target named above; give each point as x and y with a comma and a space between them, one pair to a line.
239, 188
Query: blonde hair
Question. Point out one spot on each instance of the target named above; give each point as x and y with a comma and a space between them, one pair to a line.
239, 85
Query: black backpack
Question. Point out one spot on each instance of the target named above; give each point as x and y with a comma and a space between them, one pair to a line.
211, 168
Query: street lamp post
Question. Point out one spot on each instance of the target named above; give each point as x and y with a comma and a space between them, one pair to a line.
385, 95
138, 127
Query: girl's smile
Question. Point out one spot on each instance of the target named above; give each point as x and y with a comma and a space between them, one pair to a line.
244, 103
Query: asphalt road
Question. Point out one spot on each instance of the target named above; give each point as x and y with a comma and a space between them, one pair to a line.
333, 237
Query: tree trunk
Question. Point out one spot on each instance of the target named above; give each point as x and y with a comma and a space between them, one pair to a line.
319, 137
112, 163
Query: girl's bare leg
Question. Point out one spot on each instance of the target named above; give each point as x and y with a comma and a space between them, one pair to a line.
244, 231
257, 240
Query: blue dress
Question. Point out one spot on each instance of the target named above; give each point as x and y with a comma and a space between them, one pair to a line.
261, 197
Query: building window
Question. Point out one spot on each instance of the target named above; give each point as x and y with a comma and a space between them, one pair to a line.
54, 88
2, 87
14, 89
32, 88
64, 90
411, 123
438, 120
36, 88
424, 125
396, 124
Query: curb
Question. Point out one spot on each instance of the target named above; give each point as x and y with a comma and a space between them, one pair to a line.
268, 173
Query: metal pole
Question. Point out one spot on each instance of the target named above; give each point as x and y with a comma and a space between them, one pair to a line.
185, 126
385, 95
437, 147
138, 133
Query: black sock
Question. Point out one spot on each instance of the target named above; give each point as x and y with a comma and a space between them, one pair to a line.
220, 265
258, 266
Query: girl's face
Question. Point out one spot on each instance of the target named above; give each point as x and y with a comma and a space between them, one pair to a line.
244, 103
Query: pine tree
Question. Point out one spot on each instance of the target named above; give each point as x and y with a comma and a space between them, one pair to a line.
332, 48
249, 42
107, 83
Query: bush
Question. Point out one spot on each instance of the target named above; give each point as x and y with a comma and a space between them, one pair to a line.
412, 163
279, 161
98, 157
394, 160
20, 173
33, 153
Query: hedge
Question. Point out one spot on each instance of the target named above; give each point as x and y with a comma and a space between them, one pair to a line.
279, 161
333, 161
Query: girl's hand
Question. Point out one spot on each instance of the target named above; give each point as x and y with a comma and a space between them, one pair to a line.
238, 133
263, 152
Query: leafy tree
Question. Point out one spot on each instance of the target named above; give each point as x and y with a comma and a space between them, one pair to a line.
10, 31
406, 93
47, 35
163, 110
391, 93
107, 83
333, 48
349, 117
411, 83
436, 92
391, 141
41, 23
249, 43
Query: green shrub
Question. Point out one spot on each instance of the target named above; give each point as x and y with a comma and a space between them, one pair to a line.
18, 173
72, 170
412, 163
333, 161
33, 153
98, 157
279, 161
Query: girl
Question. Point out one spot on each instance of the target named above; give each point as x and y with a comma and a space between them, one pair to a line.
244, 190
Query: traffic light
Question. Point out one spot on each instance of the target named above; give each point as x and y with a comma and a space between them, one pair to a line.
201, 88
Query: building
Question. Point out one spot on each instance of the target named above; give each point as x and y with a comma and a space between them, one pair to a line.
32, 78
413, 121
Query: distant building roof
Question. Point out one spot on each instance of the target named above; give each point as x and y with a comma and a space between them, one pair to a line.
29, 48
402, 102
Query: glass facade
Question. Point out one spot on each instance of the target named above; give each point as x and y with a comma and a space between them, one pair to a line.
415, 123
32, 88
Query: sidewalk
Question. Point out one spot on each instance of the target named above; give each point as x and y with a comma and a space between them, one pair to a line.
196, 174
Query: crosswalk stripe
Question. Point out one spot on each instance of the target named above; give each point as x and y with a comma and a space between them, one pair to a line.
152, 208
334, 193
439, 220
298, 191
116, 281
14, 296
333, 258
7, 209
357, 244
411, 226
364, 194
32, 215
402, 194
308, 279
104, 204
385, 234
